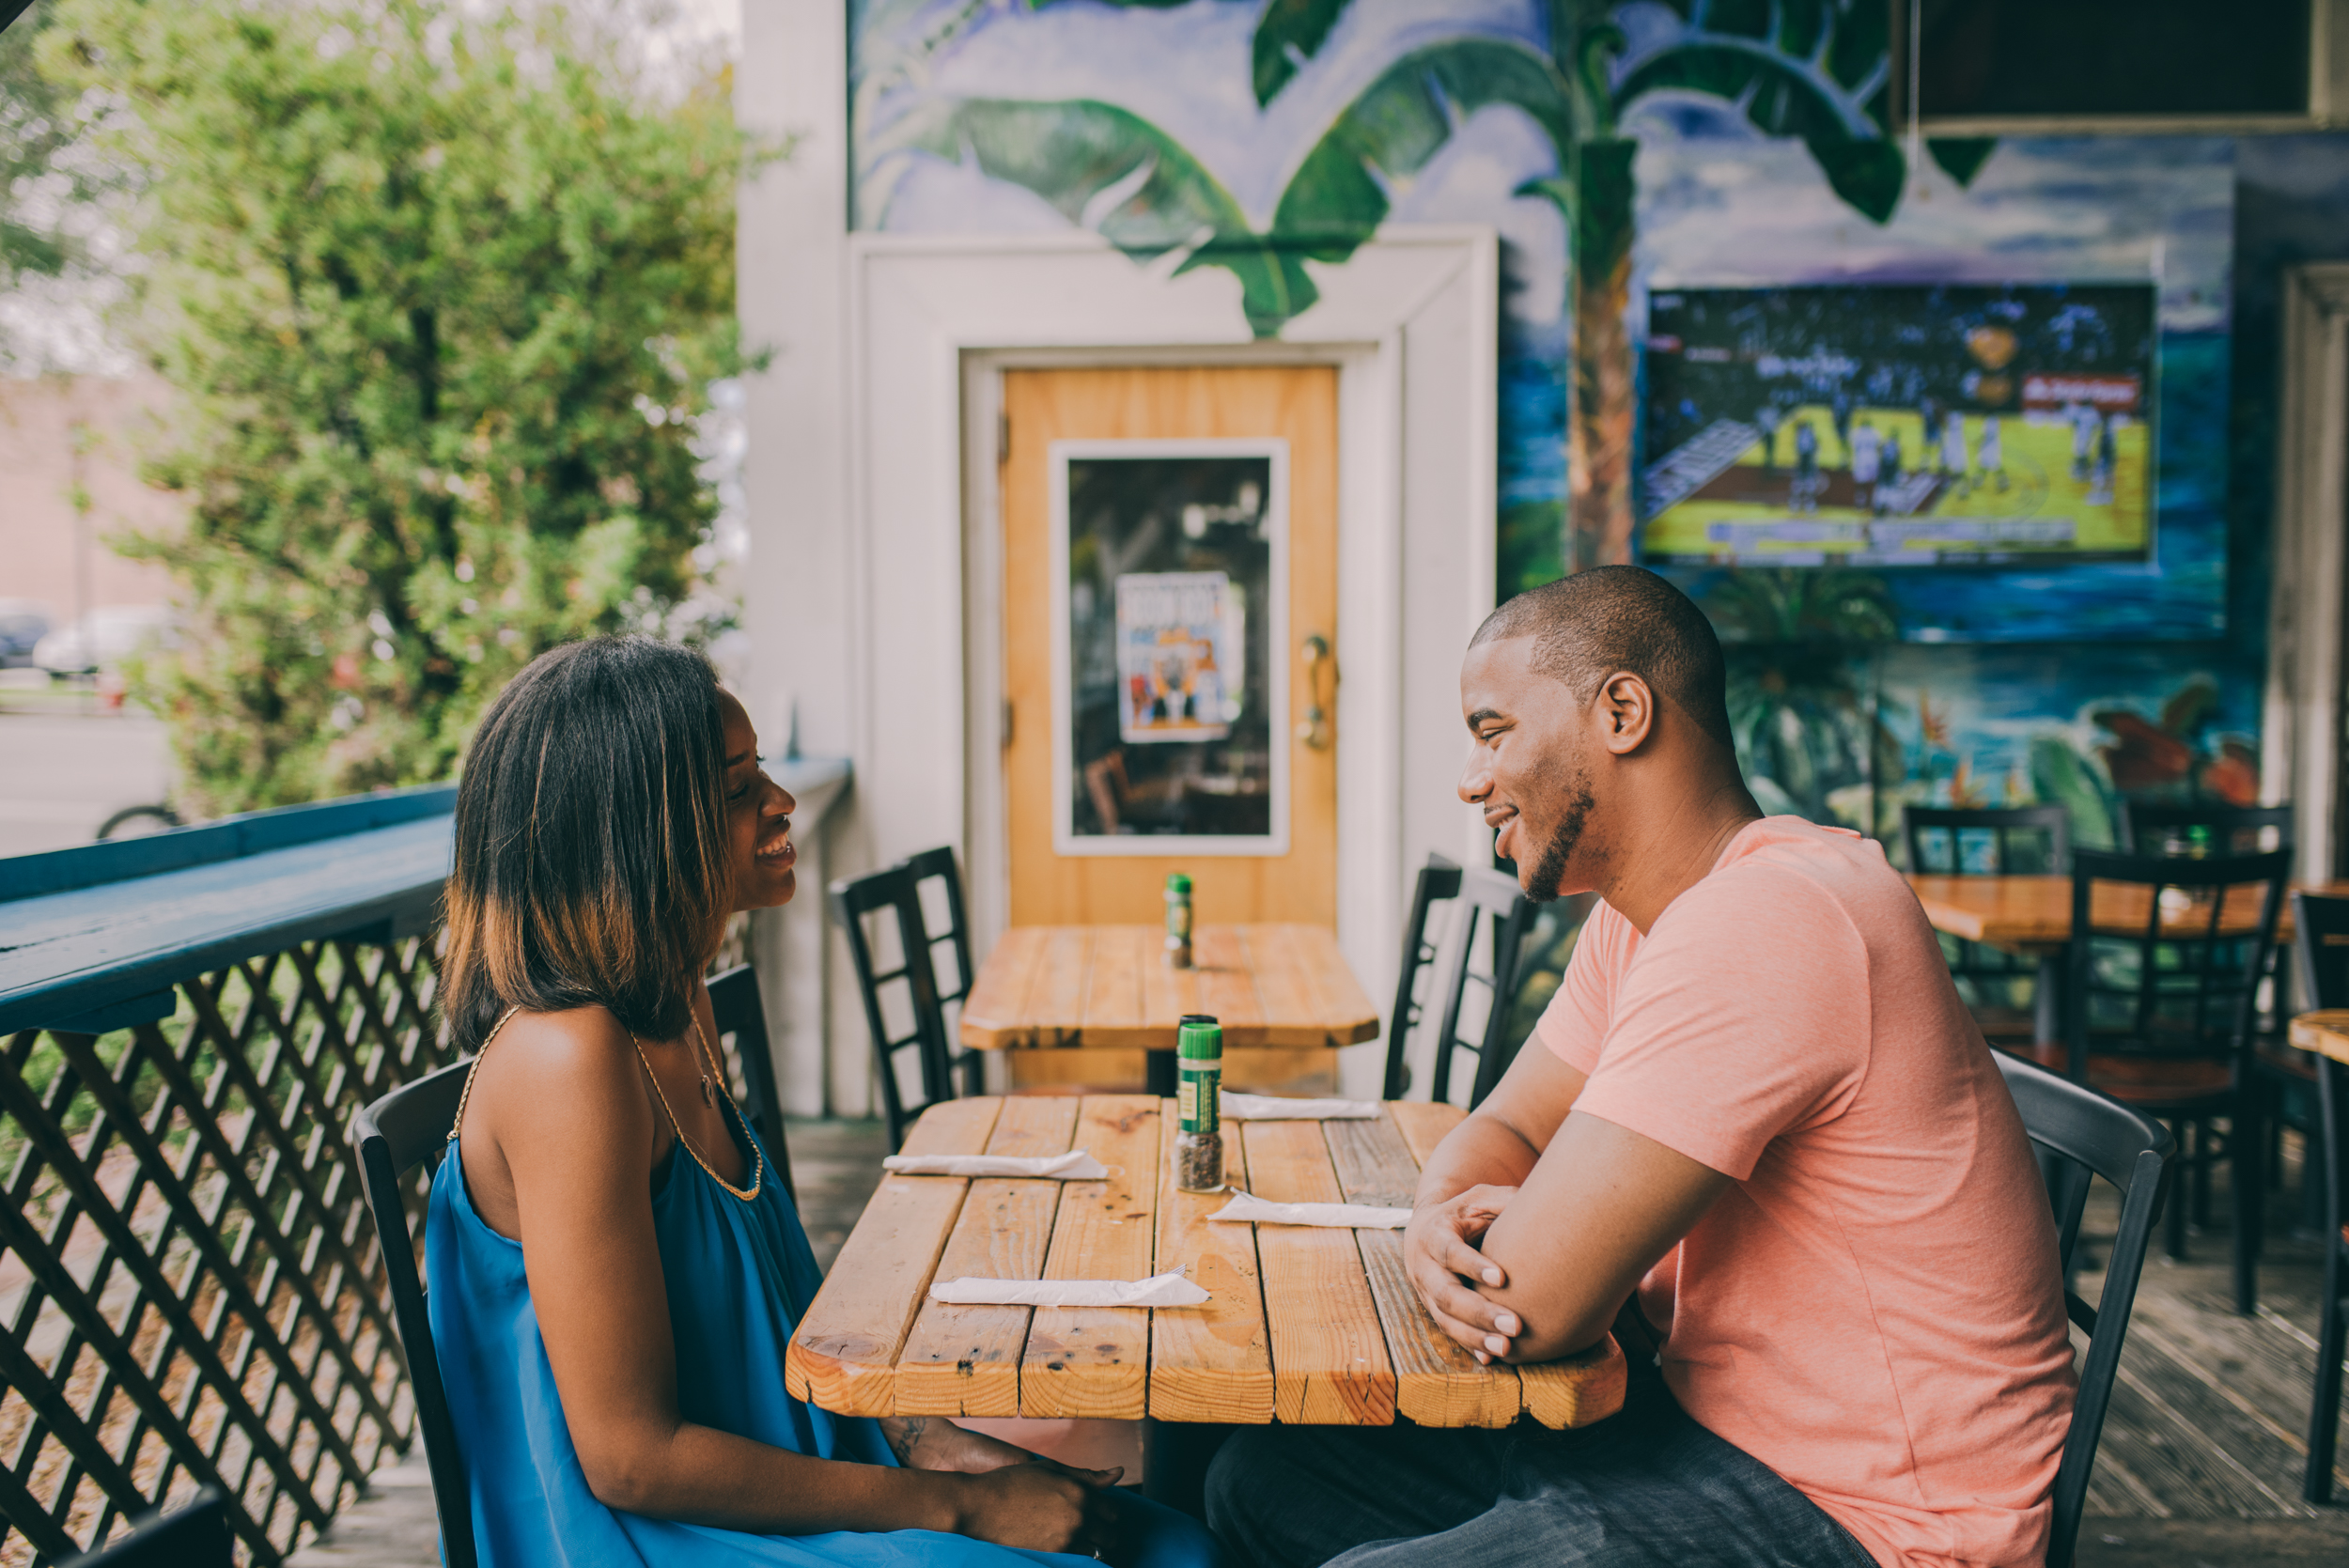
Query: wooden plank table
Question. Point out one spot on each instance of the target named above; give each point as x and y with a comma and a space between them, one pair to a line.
2325, 1033
1303, 1324
1274, 987
2031, 917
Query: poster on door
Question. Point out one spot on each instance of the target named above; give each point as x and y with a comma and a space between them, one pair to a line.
1179, 636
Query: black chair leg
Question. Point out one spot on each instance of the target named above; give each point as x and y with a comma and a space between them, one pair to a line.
2248, 1149
2202, 1158
2325, 1408
2181, 1200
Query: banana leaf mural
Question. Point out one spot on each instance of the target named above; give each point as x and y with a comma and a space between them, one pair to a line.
1816, 71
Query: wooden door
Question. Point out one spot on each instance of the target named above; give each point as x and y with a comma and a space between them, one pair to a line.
1101, 809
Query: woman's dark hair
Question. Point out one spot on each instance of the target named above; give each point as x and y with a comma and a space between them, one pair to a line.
591, 850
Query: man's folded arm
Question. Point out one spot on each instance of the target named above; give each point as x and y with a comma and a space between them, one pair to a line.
1599, 1207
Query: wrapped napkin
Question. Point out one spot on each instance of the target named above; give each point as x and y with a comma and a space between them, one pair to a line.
1270, 1108
1077, 1165
1360, 1217
1159, 1290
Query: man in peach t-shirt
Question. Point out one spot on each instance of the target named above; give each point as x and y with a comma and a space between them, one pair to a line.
1761, 1109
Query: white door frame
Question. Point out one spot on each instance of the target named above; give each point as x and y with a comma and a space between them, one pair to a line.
1410, 320
2302, 724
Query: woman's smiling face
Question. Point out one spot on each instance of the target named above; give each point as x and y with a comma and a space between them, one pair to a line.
759, 818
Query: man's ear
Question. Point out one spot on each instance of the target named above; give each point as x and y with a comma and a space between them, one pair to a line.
1626, 712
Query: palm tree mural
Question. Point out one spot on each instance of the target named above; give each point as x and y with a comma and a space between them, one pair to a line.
1816, 70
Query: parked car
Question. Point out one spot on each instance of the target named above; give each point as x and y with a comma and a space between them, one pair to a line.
23, 623
100, 641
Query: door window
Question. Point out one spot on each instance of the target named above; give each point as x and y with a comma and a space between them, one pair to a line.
1170, 608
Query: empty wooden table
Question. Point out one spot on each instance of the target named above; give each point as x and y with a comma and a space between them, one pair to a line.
1272, 986
1303, 1324
2032, 916
2325, 1033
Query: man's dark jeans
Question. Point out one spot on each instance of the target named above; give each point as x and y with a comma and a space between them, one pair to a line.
1649, 1488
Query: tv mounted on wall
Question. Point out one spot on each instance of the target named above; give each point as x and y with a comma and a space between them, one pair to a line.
1899, 425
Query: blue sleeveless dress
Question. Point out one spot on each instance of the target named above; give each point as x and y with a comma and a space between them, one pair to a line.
739, 1273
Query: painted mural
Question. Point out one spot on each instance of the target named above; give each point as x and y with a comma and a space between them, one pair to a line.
1619, 149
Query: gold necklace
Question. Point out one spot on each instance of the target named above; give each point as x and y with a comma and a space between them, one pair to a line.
759, 1168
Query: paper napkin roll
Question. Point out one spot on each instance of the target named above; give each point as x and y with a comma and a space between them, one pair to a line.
1077, 1165
1270, 1108
1159, 1290
1358, 1217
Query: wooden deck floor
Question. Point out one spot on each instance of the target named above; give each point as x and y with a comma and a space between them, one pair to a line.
2199, 1465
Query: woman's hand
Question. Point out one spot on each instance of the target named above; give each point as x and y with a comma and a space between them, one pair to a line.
1440, 1251
934, 1443
1041, 1507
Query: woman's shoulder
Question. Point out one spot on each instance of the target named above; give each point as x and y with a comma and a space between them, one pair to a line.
570, 1061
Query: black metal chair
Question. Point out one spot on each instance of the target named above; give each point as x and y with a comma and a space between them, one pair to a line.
2148, 829
1492, 902
938, 865
1438, 881
892, 896
197, 1536
2162, 1019
739, 1011
2321, 939
2078, 1134
407, 1128
2022, 841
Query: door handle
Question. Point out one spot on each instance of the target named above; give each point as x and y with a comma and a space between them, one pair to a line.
1314, 729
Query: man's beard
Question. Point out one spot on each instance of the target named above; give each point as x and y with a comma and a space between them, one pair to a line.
1551, 868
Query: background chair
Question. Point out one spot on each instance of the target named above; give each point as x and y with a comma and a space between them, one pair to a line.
1439, 881
936, 867
1492, 902
2321, 939
407, 1128
734, 1000
2162, 1020
2021, 841
2080, 1133
893, 901
2148, 829
197, 1536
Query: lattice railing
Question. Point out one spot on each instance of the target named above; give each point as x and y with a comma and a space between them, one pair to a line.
190, 1292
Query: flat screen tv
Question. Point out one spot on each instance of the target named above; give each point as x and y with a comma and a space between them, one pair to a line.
1899, 425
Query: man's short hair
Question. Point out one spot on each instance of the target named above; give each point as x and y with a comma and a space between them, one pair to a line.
1609, 618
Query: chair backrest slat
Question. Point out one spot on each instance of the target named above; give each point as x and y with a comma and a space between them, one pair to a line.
895, 895
2082, 1133
2150, 828
738, 1010
197, 1535
2049, 826
1492, 902
409, 1127
2197, 966
1438, 882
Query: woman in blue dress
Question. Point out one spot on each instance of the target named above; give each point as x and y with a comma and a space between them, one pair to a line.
615, 1269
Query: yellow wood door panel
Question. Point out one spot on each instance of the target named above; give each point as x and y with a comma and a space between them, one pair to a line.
1297, 404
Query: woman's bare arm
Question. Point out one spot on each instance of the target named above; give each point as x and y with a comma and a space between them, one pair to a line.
561, 1103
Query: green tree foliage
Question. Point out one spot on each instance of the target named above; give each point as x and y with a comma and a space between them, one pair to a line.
39, 180
443, 294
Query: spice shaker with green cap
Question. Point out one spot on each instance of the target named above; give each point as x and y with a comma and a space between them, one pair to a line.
1178, 920
1199, 1135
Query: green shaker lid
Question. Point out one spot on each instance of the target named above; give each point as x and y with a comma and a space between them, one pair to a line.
1178, 881
1199, 1036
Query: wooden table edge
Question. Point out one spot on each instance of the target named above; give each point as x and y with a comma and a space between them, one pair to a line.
2324, 1031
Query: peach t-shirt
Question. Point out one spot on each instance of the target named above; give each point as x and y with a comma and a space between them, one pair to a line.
1872, 1309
